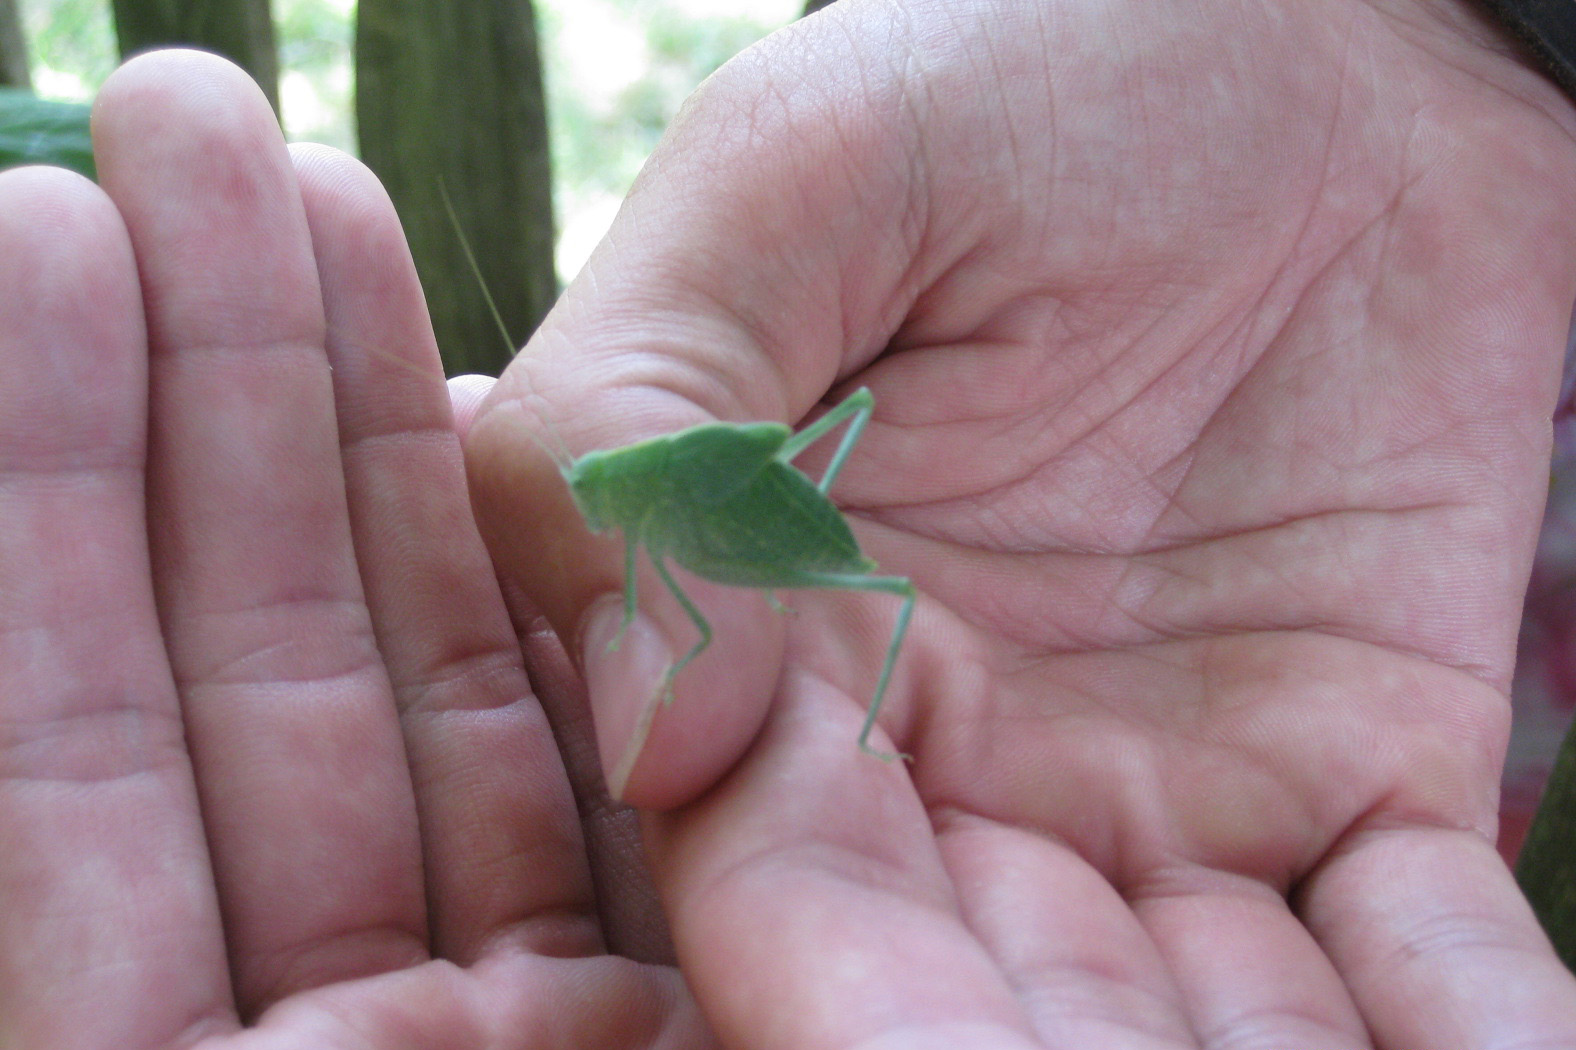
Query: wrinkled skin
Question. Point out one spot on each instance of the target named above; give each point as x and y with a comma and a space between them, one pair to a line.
268, 753
1213, 352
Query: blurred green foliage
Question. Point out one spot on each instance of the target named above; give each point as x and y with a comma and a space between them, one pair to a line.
603, 147
316, 40
72, 43
39, 131
607, 106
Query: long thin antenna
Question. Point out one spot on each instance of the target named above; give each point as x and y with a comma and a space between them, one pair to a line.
476, 270
558, 456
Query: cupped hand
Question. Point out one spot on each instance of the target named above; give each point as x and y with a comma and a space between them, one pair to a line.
1214, 349
271, 771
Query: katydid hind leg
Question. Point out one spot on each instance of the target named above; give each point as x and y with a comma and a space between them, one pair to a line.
859, 405
903, 588
899, 629
695, 617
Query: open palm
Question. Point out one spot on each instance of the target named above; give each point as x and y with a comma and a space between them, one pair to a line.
271, 772
1213, 351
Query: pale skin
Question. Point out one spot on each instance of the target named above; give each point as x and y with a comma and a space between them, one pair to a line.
1214, 433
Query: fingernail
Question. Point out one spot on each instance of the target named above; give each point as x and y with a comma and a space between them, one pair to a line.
625, 685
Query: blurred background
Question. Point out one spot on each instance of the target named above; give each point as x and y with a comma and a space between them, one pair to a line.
615, 73
533, 115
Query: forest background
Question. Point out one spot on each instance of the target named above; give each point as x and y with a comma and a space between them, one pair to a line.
615, 72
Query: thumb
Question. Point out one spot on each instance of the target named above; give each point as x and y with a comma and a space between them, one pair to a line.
754, 267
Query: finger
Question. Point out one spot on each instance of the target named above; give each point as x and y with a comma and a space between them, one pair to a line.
811, 908
292, 727
632, 922
1248, 970
766, 253
514, 1001
1086, 970
466, 394
1437, 944
109, 934
505, 859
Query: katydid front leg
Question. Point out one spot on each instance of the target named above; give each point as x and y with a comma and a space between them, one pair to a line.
631, 543
695, 617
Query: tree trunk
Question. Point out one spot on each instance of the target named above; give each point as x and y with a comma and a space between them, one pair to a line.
812, 6
449, 97
13, 48
240, 30
1546, 868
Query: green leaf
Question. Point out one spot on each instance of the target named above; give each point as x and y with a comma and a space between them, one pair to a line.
39, 131
1546, 868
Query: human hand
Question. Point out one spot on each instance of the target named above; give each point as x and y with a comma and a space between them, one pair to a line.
1214, 349
271, 772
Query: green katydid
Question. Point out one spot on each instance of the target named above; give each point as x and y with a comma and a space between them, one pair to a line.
724, 501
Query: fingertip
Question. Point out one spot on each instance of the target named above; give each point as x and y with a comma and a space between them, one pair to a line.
45, 206
194, 158
72, 360
335, 174
207, 89
626, 671
345, 198
60, 241
666, 739
466, 394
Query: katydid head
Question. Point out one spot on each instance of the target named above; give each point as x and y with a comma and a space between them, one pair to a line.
590, 483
